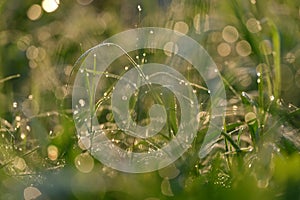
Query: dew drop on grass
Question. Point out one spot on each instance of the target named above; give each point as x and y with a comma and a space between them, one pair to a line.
81, 102
139, 8
126, 68
124, 98
258, 80
31, 193
23, 136
15, 104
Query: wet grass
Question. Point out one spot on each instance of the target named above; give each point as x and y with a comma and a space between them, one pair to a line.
255, 157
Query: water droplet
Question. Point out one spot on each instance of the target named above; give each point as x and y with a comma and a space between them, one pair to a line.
124, 98
147, 77
15, 104
144, 54
258, 80
137, 57
22, 136
81, 70
139, 8
272, 98
81, 102
126, 68
208, 91
194, 91
258, 74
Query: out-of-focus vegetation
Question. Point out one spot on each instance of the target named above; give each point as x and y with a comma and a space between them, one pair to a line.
256, 46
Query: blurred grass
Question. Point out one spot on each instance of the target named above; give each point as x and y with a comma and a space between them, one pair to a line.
257, 155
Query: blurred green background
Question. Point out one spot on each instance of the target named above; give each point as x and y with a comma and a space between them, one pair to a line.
256, 46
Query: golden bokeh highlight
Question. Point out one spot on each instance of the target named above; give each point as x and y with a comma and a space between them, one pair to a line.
230, 34
50, 5
52, 152
84, 163
19, 163
250, 117
200, 24
253, 25
224, 49
243, 48
34, 12
181, 27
